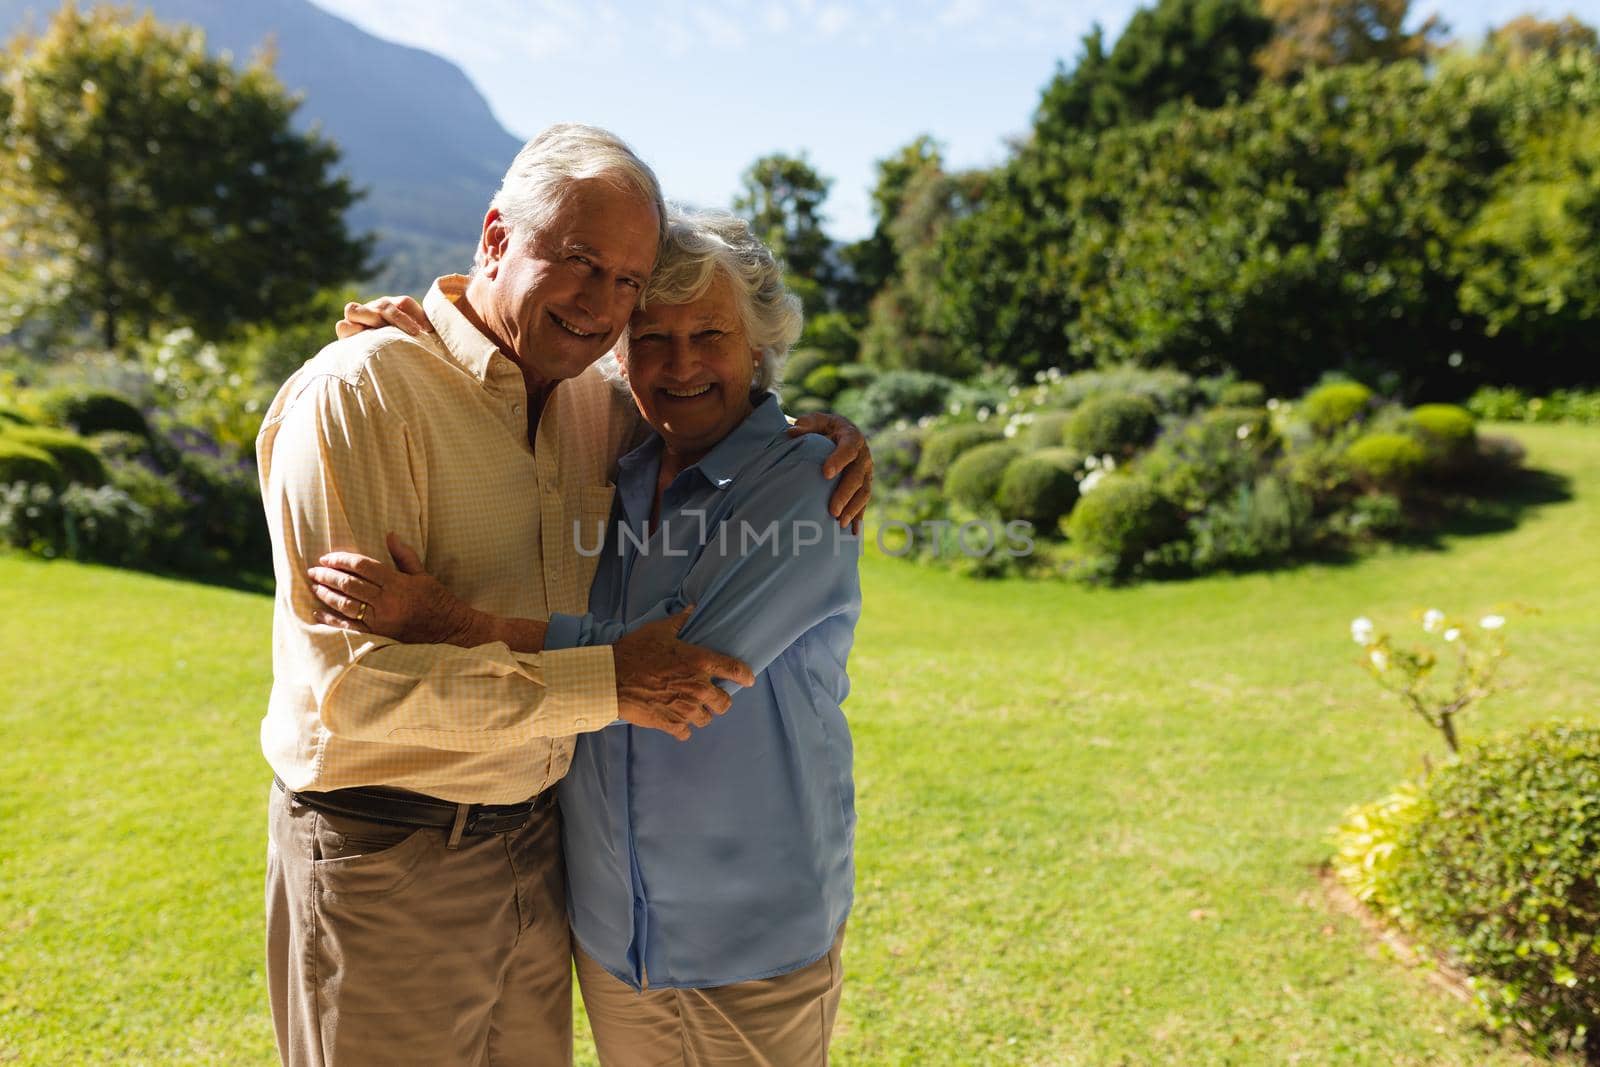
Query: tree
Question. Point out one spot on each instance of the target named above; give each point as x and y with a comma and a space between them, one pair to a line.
783, 198
1528, 35
1313, 34
154, 185
1198, 51
872, 261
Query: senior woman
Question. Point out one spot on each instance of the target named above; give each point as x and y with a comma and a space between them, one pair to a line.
710, 879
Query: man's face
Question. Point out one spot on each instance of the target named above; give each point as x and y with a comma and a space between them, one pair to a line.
559, 299
690, 367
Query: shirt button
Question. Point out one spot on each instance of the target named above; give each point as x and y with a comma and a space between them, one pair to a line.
516, 409
581, 721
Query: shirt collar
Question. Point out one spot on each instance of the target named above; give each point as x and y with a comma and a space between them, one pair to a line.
728, 456
463, 342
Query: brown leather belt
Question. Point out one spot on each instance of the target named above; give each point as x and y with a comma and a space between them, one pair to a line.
400, 808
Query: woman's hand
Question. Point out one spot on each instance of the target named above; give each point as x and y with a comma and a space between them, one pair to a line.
401, 311
850, 455
404, 602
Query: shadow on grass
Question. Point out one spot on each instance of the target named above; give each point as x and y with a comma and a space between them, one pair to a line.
1514, 495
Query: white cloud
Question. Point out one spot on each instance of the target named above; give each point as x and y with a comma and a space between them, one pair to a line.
833, 19
961, 13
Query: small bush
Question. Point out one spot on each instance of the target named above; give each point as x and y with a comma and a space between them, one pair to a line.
1370, 516
27, 464
806, 405
1387, 460
13, 417
1259, 524
895, 454
1502, 871
1039, 489
1172, 392
97, 523
1112, 425
941, 447
823, 382
1448, 433
1206, 460
1242, 395
1068, 459
974, 477
1497, 405
1332, 407
798, 367
92, 411
1366, 842
902, 394
1122, 519
78, 460
1049, 429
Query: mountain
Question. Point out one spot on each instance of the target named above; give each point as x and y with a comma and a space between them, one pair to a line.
414, 131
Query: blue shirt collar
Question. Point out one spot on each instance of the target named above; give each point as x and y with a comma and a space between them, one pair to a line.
727, 457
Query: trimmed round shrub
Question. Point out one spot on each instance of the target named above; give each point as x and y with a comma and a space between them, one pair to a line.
1330, 408
1449, 433
941, 447
1387, 459
974, 477
823, 382
22, 462
13, 417
1069, 459
1242, 395
1112, 425
78, 460
800, 364
1049, 429
857, 375
1122, 519
92, 411
1037, 489
1502, 870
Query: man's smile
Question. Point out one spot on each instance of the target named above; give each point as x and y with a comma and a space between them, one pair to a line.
570, 328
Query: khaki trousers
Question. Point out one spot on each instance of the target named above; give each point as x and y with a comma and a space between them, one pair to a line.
785, 1021
385, 947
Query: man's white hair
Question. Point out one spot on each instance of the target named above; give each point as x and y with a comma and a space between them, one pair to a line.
543, 173
700, 245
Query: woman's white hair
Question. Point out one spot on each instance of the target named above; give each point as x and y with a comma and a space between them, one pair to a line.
697, 247
543, 173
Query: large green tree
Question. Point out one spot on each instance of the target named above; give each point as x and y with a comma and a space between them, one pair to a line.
1199, 51
782, 196
872, 261
150, 184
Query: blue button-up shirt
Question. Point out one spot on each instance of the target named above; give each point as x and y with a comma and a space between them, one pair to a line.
727, 857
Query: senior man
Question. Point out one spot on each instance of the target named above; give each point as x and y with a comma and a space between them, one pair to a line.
415, 895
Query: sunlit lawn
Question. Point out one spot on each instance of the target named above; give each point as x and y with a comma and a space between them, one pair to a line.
1090, 820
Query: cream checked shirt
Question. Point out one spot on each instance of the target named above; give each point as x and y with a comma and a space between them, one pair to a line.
427, 437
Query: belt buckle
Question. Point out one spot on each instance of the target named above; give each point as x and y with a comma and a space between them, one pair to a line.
498, 822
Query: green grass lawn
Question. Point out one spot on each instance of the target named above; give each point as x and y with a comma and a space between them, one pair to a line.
1089, 820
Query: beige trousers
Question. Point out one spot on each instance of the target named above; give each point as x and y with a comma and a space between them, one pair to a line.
785, 1021
385, 947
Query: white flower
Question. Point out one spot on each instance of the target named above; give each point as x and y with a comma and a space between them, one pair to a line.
983, 414
1090, 480
1010, 430
1452, 634
955, 407
1492, 622
1432, 619
1242, 432
1379, 658
1108, 463
925, 422
1361, 631
1014, 391
1272, 405
1091, 462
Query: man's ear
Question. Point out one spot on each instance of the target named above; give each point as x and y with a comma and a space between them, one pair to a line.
493, 243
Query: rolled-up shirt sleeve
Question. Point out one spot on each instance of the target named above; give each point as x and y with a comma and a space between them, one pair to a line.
340, 474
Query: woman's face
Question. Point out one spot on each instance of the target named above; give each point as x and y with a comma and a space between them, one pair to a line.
690, 368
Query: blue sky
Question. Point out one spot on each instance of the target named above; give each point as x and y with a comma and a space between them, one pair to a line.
702, 87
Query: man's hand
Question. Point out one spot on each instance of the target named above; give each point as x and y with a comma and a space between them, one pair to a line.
666, 684
401, 311
404, 602
850, 455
